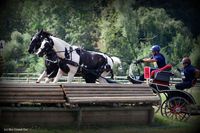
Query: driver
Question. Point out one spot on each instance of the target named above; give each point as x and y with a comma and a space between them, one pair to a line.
156, 58
188, 75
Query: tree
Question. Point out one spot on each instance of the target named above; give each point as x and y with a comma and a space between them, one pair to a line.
16, 56
122, 28
195, 54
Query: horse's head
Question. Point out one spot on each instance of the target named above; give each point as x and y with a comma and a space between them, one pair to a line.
45, 48
36, 41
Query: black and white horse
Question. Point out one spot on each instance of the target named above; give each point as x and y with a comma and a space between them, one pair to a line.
51, 67
72, 58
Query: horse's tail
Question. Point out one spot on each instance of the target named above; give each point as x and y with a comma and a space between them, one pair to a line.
117, 62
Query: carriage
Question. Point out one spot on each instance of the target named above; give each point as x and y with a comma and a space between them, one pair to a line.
177, 104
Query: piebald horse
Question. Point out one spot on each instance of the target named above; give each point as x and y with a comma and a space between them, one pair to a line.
51, 67
72, 58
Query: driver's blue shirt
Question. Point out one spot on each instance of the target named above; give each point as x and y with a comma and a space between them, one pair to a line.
189, 73
160, 60
188, 78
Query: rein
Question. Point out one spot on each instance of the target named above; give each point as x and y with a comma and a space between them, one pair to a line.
59, 51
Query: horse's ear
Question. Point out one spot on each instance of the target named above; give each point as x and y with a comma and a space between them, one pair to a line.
37, 31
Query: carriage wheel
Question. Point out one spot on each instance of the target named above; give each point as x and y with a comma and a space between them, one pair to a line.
176, 108
157, 106
162, 110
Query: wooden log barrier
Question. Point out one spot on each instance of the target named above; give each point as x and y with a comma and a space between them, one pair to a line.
30, 93
110, 93
90, 102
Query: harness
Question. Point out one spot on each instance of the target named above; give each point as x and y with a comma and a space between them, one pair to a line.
68, 54
56, 61
68, 60
84, 65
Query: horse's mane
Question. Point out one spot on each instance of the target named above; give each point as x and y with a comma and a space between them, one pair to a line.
47, 34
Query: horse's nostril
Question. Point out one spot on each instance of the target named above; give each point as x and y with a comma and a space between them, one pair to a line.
40, 54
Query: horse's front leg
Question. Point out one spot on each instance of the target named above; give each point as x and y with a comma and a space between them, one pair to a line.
71, 73
47, 80
58, 76
41, 77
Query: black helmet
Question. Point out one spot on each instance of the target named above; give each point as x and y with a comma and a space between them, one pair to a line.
186, 60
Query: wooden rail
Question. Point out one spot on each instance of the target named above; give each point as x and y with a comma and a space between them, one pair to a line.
31, 93
110, 93
76, 93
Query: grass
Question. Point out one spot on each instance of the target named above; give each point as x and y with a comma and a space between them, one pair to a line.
160, 125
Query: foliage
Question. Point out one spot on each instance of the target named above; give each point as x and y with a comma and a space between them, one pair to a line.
195, 54
16, 56
123, 28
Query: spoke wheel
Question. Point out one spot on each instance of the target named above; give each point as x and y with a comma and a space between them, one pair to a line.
157, 106
162, 110
176, 108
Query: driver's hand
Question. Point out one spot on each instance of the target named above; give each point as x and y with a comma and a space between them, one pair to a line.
138, 61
